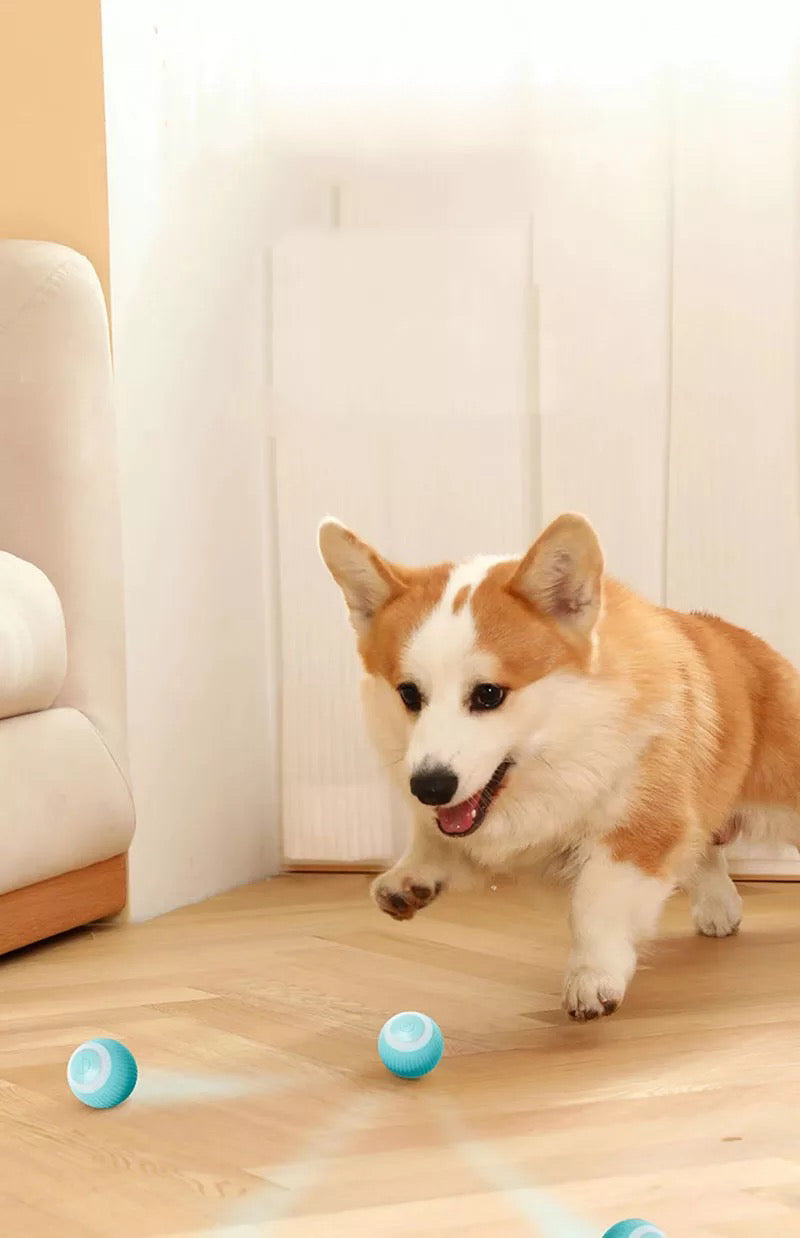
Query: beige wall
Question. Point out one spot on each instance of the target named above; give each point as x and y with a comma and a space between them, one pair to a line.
52, 129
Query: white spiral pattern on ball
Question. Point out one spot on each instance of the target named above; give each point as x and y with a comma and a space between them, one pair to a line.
94, 1085
400, 1044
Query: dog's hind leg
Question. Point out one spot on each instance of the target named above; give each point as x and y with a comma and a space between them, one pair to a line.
716, 903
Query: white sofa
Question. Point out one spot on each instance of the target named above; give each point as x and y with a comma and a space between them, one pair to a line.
66, 813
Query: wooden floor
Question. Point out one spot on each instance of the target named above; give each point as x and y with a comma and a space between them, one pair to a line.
262, 1107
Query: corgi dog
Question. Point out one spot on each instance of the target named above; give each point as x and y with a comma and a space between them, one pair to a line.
535, 711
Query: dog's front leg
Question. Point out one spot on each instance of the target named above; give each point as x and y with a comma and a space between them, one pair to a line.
431, 864
615, 905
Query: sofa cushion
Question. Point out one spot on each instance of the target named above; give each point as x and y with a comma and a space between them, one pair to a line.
33, 643
63, 802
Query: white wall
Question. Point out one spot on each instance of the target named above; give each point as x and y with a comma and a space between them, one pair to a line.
189, 217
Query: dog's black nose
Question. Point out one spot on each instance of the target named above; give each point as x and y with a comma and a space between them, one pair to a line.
434, 785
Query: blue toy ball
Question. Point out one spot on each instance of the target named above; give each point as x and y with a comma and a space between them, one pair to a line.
102, 1073
410, 1044
634, 1229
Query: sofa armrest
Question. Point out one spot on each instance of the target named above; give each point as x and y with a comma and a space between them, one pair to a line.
59, 506
33, 643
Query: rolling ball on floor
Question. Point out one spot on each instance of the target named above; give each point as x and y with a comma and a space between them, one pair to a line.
102, 1073
634, 1229
410, 1044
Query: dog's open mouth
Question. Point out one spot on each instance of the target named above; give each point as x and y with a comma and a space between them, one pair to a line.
466, 817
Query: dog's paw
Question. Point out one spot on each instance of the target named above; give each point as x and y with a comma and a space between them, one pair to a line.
590, 993
718, 915
401, 894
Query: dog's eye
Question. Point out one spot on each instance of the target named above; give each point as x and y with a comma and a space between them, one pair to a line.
486, 696
411, 697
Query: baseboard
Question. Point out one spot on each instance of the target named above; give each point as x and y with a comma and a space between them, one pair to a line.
768, 868
335, 866
753, 872
61, 903
747, 876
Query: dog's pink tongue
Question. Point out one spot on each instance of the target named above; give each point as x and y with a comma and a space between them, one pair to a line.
457, 818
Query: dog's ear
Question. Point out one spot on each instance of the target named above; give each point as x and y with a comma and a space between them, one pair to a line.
366, 580
562, 574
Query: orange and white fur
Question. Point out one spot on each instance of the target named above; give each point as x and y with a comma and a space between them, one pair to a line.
535, 711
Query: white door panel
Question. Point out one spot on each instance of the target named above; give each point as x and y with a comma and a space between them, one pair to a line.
733, 529
402, 403
601, 266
